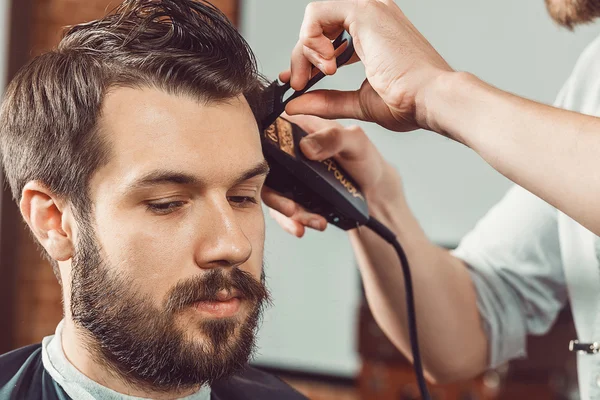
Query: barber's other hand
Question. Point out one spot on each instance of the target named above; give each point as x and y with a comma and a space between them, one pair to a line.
400, 64
353, 150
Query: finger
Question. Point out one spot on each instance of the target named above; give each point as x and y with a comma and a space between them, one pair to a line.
276, 201
326, 66
285, 76
311, 124
290, 226
300, 68
353, 59
330, 104
332, 32
293, 211
349, 144
351, 148
321, 19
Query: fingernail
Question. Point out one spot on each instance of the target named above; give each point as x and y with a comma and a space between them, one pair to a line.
314, 223
313, 145
321, 67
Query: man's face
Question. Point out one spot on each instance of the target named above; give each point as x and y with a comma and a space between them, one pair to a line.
572, 12
167, 276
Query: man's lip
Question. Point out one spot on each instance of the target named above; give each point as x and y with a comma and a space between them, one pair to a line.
222, 296
224, 308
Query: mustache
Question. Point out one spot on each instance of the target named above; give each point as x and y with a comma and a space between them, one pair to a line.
206, 288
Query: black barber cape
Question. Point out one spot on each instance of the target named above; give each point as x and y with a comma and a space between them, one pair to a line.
23, 377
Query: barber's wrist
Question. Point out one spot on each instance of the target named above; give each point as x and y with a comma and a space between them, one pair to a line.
388, 185
386, 195
388, 204
439, 103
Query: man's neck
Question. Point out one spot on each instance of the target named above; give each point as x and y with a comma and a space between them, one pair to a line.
77, 352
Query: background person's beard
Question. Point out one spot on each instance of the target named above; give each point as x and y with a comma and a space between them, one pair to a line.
142, 344
572, 12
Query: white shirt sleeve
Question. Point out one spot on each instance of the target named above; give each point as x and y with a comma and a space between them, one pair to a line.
513, 255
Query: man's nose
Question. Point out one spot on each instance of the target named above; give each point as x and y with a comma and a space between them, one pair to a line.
222, 240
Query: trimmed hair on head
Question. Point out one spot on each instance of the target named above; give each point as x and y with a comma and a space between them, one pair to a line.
50, 110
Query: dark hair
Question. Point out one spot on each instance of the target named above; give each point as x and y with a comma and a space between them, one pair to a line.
49, 114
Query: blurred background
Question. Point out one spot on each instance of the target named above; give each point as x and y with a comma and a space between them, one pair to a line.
319, 335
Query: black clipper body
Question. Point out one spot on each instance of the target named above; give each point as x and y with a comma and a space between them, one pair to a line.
322, 188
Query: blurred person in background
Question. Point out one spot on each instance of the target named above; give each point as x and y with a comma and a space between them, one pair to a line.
533, 251
134, 155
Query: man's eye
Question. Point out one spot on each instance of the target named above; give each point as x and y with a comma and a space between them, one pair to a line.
243, 200
166, 207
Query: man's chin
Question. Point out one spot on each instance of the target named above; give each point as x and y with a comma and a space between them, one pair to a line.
569, 13
214, 332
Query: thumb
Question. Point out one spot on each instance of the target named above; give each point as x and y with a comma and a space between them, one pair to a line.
351, 148
329, 104
341, 143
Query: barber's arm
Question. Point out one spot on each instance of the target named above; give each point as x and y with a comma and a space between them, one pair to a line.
453, 343
551, 152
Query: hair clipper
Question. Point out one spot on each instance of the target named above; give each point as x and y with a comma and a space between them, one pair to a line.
323, 187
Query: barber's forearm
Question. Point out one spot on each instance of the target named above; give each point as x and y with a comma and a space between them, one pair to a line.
553, 153
453, 345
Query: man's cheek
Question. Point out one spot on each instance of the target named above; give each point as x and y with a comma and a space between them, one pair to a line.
150, 256
254, 228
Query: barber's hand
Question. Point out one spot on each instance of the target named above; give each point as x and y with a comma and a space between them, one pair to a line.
353, 150
399, 64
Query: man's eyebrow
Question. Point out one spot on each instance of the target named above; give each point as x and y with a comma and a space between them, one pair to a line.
261, 168
159, 177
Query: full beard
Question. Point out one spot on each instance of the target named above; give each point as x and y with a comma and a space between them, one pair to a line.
142, 345
569, 13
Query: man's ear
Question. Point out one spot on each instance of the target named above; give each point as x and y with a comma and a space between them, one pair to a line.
45, 214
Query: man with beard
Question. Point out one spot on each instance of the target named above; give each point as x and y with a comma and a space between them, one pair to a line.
531, 253
133, 152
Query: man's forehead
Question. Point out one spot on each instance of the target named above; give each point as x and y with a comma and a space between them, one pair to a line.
151, 107
138, 118
149, 130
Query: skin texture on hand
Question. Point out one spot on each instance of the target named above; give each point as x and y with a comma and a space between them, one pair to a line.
550, 152
353, 150
394, 81
434, 269
409, 85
